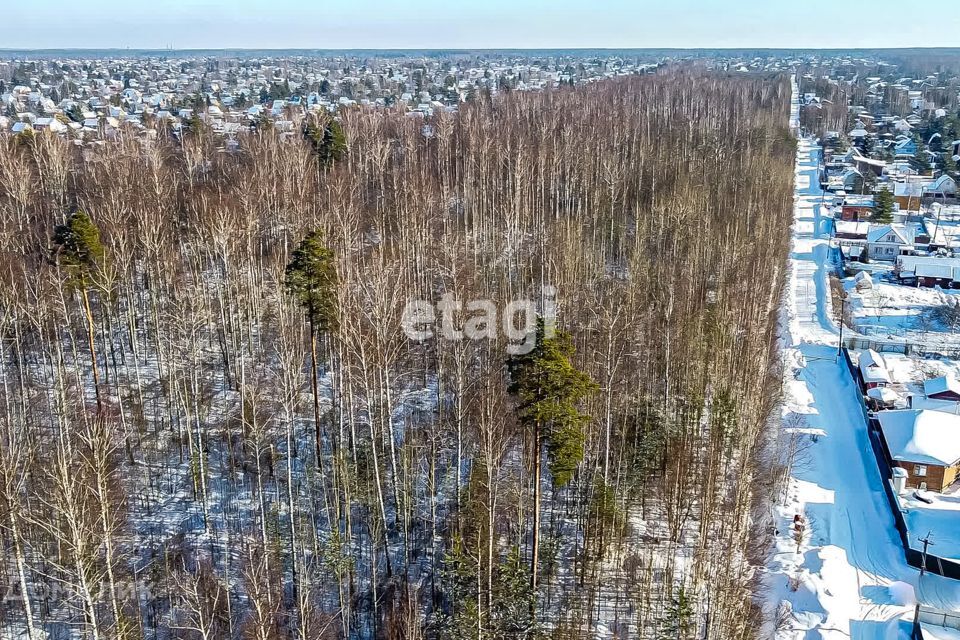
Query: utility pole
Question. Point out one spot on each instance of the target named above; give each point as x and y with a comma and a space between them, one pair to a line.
926, 542
936, 229
843, 300
923, 568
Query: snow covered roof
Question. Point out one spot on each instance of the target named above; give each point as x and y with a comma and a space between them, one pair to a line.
925, 437
932, 632
873, 368
928, 266
904, 234
851, 227
937, 269
884, 394
861, 159
943, 184
939, 385
908, 189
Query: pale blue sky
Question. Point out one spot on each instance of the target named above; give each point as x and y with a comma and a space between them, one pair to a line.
328, 24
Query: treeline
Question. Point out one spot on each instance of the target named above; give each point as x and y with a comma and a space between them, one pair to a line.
213, 425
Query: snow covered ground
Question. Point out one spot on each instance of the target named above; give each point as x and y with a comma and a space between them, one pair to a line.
940, 633
896, 312
850, 577
939, 519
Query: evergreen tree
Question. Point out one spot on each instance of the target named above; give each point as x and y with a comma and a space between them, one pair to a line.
311, 278
514, 599
328, 142
548, 388
80, 254
678, 622
78, 248
75, 113
459, 576
263, 122
883, 203
193, 125
949, 164
197, 102
920, 159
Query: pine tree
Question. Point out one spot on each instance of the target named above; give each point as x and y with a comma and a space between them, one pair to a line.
883, 202
678, 623
311, 278
263, 122
328, 142
514, 599
949, 164
193, 125
548, 388
920, 158
459, 575
80, 254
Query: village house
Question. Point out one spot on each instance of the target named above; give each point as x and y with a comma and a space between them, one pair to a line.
888, 241
905, 148
928, 271
922, 190
851, 230
943, 189
925, 444
856, 207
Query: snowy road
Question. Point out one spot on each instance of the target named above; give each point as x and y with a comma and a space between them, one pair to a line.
839, 585
811, 317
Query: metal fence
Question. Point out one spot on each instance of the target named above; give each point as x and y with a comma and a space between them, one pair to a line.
860, 343
948, 619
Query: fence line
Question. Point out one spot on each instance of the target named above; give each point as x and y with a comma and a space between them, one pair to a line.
861, 343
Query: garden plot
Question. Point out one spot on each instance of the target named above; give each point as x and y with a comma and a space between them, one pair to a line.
891, 311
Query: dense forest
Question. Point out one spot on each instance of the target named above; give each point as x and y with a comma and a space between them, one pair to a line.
214, 425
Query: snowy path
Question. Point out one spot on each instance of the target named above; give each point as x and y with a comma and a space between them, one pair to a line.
809, 300
839, 583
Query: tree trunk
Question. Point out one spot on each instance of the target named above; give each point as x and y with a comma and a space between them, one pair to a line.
91, 343
535, 551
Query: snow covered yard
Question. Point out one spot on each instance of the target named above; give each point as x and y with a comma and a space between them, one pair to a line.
940, 633
939, 519
888, 310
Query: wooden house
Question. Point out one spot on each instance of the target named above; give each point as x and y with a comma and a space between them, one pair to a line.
925, 444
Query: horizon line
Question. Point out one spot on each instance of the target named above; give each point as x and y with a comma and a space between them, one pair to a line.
470, 49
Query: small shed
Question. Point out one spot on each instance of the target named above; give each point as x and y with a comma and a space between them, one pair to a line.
942, 388
873, 370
